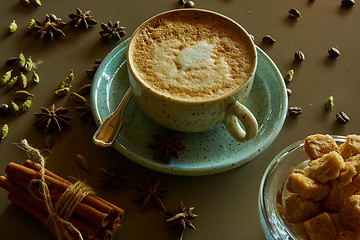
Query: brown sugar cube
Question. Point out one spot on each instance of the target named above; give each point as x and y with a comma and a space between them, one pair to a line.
298, 209
288, 183
317, 145
338, 192
321, 227
351, 147
307, 187
348, 172
327, 167
349, 214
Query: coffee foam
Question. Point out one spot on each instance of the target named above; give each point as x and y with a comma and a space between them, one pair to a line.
192, 57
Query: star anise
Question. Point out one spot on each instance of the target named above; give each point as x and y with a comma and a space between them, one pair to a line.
182, 219
50, 27
91, 71
113, 178
166, 146
52, 119
85, 112
151, 192
112, 32
81, 19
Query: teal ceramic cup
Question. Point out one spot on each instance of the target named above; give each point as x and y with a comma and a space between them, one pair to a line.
195, 115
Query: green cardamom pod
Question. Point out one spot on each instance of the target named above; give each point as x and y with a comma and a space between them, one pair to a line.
84, 89
78, 98
5, 78
35, 78
12, 27
37, 2
22, 95
4, 131
289, 76
14, 108
67, 81
22, 60
30, 26
23, 80
26, 105
25, 3
29, 64
12, 82
329, 105
62, 92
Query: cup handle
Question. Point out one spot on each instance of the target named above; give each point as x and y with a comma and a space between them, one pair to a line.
238, 112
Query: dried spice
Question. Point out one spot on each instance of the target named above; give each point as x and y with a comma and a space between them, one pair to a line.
22, 95
4, 108
189, 4
112, 178
299, 56
23, 80
28, 3
49, 141
342, 117
62, 92
166, 146
36, 2
334, 52
84, 90
67, 81
289, 76
22, 60
182, 219
295, 111
25, 3
6, 78
35, 78
50, 27
268, 39
81, 19
29, 65
92, 71
82, 161
30, 26
347, 3
288, 91
112, 32
294, 13
329, 104
151, 192
85, 112
4, 131
12, 82
78, 98
50, 119
14, 108
25, 105
13, 27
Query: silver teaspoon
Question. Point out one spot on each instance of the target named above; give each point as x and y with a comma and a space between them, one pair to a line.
110, 128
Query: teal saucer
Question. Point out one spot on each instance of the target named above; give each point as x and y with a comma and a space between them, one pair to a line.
207, 152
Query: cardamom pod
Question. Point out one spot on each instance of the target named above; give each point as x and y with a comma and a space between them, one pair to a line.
35, 78
62, 91
82, 161
37, 2
22, 95
12, 82
29, 64
67, 81
84, 89
14, 108
289, 76
4, 131
22, 60
30, 26
23, 80
12, 27
78, 98
329, 104
5, 78
26, 105
25, 3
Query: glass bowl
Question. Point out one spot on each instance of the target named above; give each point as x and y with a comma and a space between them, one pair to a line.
273, 192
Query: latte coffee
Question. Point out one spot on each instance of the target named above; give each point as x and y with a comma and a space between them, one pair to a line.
192, 56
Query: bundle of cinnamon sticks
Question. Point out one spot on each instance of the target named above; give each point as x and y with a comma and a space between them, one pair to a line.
94, 217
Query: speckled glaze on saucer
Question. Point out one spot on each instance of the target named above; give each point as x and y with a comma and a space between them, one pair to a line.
207, 152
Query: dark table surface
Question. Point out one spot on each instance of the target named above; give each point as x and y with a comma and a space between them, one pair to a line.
226, 202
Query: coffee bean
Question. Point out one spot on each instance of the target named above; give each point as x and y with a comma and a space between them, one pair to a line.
347, 3
268, 39
189, 4
299, 56
295, 111
334, 52
343, 117
3, 108
294, 13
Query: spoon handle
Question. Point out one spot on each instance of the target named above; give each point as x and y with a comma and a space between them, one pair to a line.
110, 128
